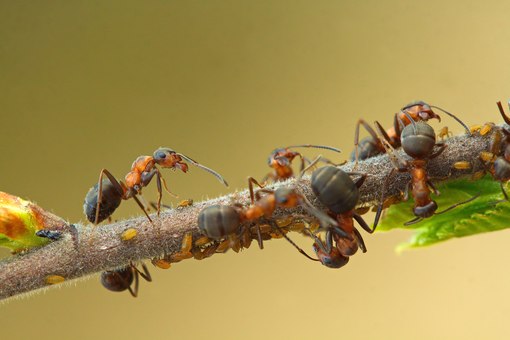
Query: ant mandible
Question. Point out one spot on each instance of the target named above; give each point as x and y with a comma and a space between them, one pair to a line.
280, 161
372, 145
119, 280
144, 168
418, 142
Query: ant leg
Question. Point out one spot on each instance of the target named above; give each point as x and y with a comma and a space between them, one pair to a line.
438, 152
252, 181
407, 189
432, 186
398, 130
120, 189
309, 166
329, 240
359, 182
369, 129
142, 207
381, 200
414, 221
454, 117
279, 231
457, 204
323, 218
146, 275
383, 132
503, 114
363, 224
134, 292
360, 241
259, 237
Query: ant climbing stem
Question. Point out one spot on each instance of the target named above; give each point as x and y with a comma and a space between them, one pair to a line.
418, 142
372, 145
143, 170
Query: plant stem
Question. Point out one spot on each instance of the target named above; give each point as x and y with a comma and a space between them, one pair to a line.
95, 249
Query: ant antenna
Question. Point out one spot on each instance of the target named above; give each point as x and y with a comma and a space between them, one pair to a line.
211, 171
315, 147
503, 114
454, 117
279, 231
312, 164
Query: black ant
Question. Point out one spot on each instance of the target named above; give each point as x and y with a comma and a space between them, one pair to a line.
144, 168
280, 161
119, 280
418, 142
372, 145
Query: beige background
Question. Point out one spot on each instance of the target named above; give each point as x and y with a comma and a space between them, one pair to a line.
86, 85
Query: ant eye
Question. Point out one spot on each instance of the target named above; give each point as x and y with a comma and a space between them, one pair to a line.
160, 155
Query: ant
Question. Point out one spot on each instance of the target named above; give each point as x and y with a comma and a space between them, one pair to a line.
500, 154
280, 161
372, 145
220, 221
144, 168
119, 280
418, 142
339, 193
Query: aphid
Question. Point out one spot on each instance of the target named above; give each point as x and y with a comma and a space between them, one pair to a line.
128, 234
418, 141
280, 160
144, 168
119, 280
53, 235
482, 129
185, 203
462, 165
54, 279
445, 133
223, 221
339, 193
372, 145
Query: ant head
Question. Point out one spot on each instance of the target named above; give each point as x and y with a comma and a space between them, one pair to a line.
420, 110
333, 259
425, 210
418, 140
117, 280
286, 197
280, 157
166, 157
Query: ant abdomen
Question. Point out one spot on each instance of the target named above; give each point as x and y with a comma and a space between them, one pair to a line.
110, 201
501, 169
426, 210
418, 140
218, 221
335, 189
117, 280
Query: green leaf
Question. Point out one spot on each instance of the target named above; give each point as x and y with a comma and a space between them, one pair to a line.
478, 216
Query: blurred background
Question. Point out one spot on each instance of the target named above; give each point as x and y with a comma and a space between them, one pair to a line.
92, 85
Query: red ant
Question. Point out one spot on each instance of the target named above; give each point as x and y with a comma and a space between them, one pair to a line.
280, 161
412, 112
339, 193
119, 280
418, 142
220, 221
144, 168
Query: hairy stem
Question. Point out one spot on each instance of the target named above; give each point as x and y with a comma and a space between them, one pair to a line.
94, 249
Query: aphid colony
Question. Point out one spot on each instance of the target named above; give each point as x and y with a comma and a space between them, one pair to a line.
335, 237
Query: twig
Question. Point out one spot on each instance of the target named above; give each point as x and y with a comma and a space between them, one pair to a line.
96, 249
